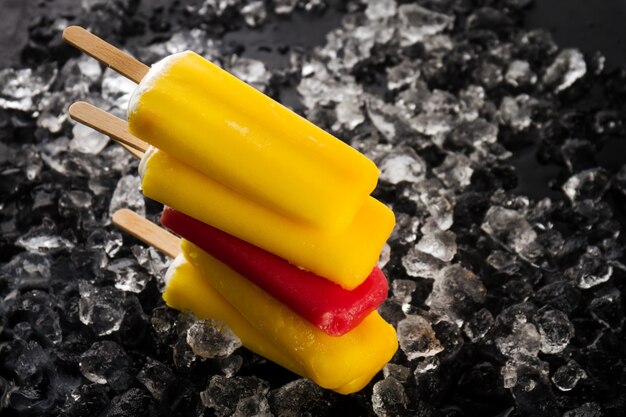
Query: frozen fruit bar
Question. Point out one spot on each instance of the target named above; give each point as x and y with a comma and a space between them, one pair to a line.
346, 258
244, 140
325, 304
345, 364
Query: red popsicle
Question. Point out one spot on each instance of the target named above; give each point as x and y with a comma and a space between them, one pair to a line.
325, 304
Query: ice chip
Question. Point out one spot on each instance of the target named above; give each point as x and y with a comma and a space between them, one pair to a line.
100, 308
212, 339
128, 275
555, 330
402, 164
86, 140
106, 362
455, 171
116, 91
380, 9
477, 327
417, 338
284, 7
398, 372
591, 269
523, 341
44, 238
567, 376
389, 398
229, 396
19, 89
254, 13
511, 229
519, 74
251, 71
568, 66
402, 290
457, 292
417, 23
420, 264
299, 398
589, 184
128, 195
440, 244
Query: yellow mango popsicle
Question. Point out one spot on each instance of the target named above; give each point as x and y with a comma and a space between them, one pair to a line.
344, 364
187, 290
346, 258
241, 138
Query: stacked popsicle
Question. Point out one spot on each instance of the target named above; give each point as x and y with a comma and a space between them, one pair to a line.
280, 235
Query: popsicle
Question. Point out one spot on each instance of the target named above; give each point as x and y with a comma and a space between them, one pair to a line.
319, 301
239, 137
332, 362
346, 258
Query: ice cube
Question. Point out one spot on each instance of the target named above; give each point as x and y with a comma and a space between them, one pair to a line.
106, 362
555, 330
100, 308
568, 66
87, 140
128, 195
230, 396
567, 376
417, 338
212, 339
457, 292
440, 244
402, 164
254, 13
389, 398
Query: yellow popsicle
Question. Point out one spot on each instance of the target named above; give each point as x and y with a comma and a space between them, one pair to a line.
187, 290
241, 138
345, 363
346, 258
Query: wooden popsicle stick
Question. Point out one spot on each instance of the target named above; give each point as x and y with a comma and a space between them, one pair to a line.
106, 123
148, 232
106, 53
134, 152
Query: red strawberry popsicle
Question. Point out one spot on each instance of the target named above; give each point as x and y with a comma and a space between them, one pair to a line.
325, 304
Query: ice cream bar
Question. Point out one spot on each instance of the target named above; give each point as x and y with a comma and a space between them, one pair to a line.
323, 303
346, 258
244, 140
345, 364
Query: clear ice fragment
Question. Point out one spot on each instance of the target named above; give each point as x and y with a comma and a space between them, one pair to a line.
568, 66
402, 164
457, 292
567, 376
106, 362
254, 13
417, 338
389, 398
128, 195
418, 23
212, 339
86, 140
101, 308
420, 264
228, 396
555, 330
440, 244
587, 185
